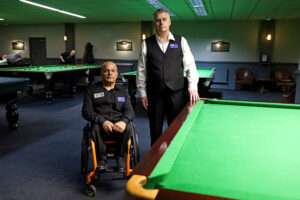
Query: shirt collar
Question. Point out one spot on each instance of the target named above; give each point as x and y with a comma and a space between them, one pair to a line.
117, 88
170, 37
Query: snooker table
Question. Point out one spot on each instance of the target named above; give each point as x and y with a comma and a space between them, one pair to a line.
205, 77
221, 149
3, 64
50, 74
8, 95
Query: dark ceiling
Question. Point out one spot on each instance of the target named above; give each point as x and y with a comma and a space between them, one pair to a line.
16, 12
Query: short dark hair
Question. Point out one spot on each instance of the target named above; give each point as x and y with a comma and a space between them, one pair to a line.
160, 10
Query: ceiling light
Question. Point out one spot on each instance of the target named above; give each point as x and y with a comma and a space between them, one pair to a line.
158, 5
199, 7
53, 9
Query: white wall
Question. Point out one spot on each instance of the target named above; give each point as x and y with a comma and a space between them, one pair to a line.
286, 41
242, 36
53, 33
103, 36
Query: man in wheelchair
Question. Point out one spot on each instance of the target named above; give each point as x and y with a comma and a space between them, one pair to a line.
109, 109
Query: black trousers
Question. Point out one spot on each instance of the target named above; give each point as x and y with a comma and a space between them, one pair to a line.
166, 103
100, 136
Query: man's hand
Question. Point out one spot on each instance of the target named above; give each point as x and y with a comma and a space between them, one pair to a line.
194, 96
62, 59
145, 102
108, 126
119, 126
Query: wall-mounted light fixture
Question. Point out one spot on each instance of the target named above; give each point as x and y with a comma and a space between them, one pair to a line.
65, 38
18, 45
269, 37
220, 46
124, 46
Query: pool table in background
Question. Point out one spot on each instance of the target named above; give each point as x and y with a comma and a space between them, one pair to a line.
222, 149
206, 76
3, 64
8, 95
50, 74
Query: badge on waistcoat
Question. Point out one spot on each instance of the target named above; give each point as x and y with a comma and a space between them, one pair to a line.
97, 95
121, 99
174, 46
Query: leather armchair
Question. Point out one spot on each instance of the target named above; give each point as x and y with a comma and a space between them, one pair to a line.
244, 76
284, 79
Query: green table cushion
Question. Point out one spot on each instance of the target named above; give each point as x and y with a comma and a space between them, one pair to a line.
202, 72
49, 68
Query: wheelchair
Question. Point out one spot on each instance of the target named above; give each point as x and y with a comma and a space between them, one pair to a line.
88, 149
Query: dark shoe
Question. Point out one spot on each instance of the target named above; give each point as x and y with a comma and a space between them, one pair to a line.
102, 165
121, 164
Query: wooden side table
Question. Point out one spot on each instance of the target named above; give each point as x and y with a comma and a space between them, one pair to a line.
262, 83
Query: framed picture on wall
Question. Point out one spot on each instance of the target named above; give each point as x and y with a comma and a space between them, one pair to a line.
220, 46
124, 46
18, 45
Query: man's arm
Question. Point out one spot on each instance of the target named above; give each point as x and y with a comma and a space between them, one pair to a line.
62, 59
70, 58
141, 75
190, 70
88, 112
3, 61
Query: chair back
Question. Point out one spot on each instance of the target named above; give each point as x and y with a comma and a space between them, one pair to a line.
244, 74
283, 74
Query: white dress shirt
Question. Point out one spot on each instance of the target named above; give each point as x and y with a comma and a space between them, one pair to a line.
189, 65
3, 61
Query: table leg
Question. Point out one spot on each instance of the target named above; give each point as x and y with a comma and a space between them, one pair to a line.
12, 114
48, 92
132, 91
31, 82
203, 90
72, 87
49, 87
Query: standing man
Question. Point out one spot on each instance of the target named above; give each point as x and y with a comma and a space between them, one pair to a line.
160, 81
68, 57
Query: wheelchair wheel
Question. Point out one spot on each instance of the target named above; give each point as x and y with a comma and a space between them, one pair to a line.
134, 149
85, 149
90, 190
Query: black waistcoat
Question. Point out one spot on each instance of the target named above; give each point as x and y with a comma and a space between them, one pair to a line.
164, 70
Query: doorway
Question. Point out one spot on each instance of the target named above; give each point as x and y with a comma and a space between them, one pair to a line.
37, 50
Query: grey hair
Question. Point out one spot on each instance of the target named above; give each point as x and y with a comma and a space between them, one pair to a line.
160, 10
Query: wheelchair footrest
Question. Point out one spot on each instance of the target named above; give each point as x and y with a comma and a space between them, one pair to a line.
111, 169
